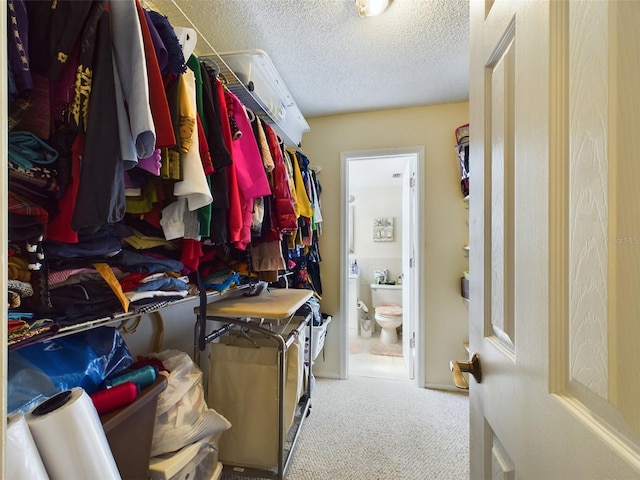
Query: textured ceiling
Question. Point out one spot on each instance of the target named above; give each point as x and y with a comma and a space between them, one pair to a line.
332, 61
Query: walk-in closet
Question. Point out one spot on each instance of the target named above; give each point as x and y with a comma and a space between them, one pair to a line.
149, 175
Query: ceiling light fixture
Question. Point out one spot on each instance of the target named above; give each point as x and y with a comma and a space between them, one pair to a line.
370, 8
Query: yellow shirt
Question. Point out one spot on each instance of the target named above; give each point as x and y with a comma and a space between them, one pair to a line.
302, 199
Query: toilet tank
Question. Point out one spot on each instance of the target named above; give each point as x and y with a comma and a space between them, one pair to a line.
386, 294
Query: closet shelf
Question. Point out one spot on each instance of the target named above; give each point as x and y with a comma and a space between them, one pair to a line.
254, 79
118, 318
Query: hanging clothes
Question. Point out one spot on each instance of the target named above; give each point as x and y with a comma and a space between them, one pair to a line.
252, 180
220, 157
284, 215
250, 176
60, 228
194, 186
234, 219
157, 96
203, 169
175, 63
316, 189
54, 32
131, 75
101, 198
204, 213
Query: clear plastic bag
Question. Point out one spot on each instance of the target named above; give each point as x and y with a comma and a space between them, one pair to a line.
182, 414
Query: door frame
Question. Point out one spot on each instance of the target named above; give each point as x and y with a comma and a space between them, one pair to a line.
4, 234
419, 316
409, 248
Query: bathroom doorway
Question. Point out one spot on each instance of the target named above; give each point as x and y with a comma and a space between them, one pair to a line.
382, 227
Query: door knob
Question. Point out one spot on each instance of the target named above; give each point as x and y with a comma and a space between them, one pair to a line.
472, 367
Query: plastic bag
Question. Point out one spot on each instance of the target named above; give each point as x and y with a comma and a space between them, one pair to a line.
182, 415
84, 360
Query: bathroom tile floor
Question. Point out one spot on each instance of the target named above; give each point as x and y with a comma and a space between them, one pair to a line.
364, 364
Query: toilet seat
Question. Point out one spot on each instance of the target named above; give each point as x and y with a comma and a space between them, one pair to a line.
389, 317
389, 310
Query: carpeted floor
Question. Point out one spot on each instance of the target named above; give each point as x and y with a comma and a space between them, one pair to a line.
374, 429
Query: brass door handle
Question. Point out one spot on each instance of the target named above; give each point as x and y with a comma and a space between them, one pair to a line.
472, 367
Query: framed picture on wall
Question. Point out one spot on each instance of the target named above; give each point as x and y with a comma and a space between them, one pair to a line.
383, 229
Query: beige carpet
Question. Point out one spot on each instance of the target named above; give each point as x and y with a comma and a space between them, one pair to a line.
376, 347
374, 429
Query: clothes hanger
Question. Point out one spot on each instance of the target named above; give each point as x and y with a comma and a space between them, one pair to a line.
250, 114
242, 333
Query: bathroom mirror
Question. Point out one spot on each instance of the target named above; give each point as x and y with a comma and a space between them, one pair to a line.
351, 230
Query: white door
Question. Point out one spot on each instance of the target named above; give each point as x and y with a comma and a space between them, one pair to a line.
409, 272
555, 239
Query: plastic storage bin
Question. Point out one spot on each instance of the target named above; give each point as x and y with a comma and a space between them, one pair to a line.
198, 461
318, 335
129, 431
261, 82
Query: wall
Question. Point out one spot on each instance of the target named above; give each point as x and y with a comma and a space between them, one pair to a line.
446, 228
177, 330
372, 203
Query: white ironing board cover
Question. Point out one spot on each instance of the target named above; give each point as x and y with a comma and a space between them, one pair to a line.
274, 304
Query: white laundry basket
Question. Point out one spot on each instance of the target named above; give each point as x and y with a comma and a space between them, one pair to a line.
318, 336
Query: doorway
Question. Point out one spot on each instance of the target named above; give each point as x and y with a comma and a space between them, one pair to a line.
382, 227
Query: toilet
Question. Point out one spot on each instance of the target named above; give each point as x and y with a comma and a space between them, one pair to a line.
387, 301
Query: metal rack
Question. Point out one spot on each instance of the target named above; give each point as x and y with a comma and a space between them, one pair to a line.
204, 49
280, 306
120, 318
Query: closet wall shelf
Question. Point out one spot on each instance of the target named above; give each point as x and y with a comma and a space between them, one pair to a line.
254, 79
119, 318
289, 127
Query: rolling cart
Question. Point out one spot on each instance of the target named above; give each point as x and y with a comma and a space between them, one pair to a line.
272, 313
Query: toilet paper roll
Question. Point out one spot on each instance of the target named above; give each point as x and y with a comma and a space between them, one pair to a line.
23, 458
362, 306
70, 438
